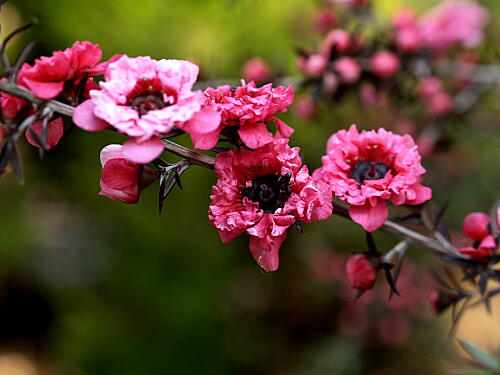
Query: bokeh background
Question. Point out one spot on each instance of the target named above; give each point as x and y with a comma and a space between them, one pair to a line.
93, 286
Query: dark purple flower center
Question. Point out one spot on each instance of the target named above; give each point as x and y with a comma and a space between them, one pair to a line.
148, 95
148, 102
369, 170
270, 191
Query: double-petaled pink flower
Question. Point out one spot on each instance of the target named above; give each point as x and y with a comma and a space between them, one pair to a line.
145, 98
367, 170
122, 179
263, 192
247, 109
453, 22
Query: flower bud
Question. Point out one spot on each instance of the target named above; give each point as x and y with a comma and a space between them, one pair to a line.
476, 226
384, 64
348, 69
337, 40
314, 65
256, 69
324, 20
360, 273
305, 108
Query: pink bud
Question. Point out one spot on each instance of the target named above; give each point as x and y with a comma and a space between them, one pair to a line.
476, 225
408, 40
384, 64
348, 69
429, 86
330, 83
497, 217
440, 104
338, 40
256, 69
305, 108
324, 20
315, 65
360, 272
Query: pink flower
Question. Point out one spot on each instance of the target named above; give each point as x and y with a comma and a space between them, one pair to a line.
453, 22
313, 65
476, 226
348, 69
484, 250
250, 108
368, 169
46, 78
256, 69
263, 192
122, 179
360, 273
437, 100
145, 98
384, 64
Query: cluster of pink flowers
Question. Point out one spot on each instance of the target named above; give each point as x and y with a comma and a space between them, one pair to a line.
368, 170
478, 228
263, 193
56, 76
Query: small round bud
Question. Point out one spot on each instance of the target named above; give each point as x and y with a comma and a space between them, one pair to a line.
360, 273
384, 64
476, 225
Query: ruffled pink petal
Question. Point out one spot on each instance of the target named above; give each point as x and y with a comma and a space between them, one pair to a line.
101, 67
55, 131
370, 218
84, 117
265, 251
422, 194
255, 135
143, 152
285, 130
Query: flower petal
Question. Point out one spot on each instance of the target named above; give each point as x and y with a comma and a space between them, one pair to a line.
84, 117
370, 218
143, 152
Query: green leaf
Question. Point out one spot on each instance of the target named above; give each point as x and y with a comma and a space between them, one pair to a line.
484, 358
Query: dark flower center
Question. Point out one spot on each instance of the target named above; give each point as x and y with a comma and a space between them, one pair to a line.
270, 191
148, 95
148, 102
369, 170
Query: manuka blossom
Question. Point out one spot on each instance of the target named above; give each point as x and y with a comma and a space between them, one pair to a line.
263, 192
453, 22
122, 179
360, 272
247, 109
367, 170
46, 78
145, 98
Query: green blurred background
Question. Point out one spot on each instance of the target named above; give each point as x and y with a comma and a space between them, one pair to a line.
123, 290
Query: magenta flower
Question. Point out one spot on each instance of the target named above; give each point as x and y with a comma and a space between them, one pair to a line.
368, 169
453, 22
46, 78
250, 108
360, 272
263, 192
122, 179
348, 69
144, 98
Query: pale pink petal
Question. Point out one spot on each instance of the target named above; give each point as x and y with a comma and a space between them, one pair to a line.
370, 218
84, 117
143, 152
205, 141
111, 152
203, 122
